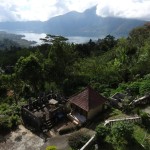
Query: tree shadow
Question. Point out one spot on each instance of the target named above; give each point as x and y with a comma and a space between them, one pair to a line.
105, 146
134, 145
99, 118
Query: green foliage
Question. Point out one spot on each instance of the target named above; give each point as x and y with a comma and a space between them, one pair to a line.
5, 124
3, 91
145, 87
107, 43
60, 60
134, 88
68, 129
105, 64
146, 143
9, 117
77, 140
14, 119
101, 133
142, 135
108, 65
121, 134
9, 41
145, 119
139, 35
51, 148
30, 71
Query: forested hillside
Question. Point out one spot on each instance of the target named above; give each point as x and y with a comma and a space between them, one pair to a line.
9, 40
108, 65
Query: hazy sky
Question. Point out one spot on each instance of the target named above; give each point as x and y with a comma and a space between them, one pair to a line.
22, 10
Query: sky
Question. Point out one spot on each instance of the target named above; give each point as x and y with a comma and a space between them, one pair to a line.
28, 10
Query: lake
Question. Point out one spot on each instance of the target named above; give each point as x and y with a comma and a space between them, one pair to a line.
31, 36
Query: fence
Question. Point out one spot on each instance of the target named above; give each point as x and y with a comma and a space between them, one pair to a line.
131, 119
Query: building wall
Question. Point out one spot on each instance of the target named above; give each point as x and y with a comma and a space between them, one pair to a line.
79, 110
94, 111
30, 120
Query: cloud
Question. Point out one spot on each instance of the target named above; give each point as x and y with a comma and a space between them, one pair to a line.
22, 10
25, 10
138, 9
80, 5
6, 15
30, 9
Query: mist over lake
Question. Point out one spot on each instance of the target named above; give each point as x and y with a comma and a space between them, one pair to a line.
32, 36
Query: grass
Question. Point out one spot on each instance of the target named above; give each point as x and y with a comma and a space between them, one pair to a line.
140, 134
102, 116
146, 109
136, 143
115, 114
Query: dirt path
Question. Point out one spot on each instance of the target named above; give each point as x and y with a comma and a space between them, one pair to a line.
21, 139
61, 142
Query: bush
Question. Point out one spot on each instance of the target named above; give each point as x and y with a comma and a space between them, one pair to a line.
101, 133
145, 119
134, 88
3, 91
51, 148
121, 88
68, 129
14, 119
121, 134
77, 140
145, 87
147, 144
9, 117
5, 124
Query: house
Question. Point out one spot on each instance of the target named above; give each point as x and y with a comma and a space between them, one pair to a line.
85, 105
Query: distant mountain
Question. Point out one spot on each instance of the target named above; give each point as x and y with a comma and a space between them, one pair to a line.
78, 24
29, 26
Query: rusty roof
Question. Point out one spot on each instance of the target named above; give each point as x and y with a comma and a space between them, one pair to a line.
87, 99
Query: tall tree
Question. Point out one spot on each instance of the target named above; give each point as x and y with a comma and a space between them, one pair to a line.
30, 71
60, 59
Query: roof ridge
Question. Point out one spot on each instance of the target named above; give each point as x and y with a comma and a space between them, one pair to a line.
89, 98
78, 92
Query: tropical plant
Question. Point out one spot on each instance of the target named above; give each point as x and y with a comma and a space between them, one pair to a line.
51, 148
77, 140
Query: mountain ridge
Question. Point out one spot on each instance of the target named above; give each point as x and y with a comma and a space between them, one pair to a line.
74, 23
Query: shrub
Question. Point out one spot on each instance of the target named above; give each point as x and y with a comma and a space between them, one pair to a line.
68, 129
147, 144
9, 117
121, 134
134, 88
3, 91
145, 119
14, 119
101, 132
51, 148
77, 140
5, 124
145, 87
